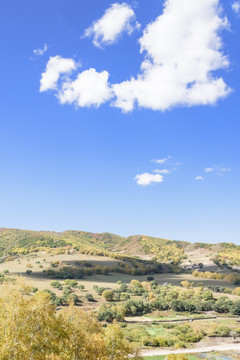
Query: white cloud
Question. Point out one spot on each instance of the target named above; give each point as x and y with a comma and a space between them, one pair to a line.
218, 170
182, 50
147, 179
41, 51
91, 88
162, 171
225, 169
199, 178
55, 67
161, 161
236, 7
209, 169
116, 19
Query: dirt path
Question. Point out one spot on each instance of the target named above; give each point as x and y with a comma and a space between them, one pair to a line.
224, 347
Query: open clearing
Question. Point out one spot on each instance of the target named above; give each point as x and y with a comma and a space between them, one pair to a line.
42, 261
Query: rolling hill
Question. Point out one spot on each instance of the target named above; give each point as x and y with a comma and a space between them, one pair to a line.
16, 241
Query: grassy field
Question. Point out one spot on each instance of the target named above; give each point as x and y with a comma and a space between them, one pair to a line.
135, 332
37, 262
41, 261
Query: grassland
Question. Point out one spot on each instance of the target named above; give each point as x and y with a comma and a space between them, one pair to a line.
104, 261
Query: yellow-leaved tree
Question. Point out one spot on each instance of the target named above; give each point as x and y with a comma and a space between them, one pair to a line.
32, 329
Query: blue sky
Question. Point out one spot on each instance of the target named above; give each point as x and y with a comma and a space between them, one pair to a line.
146, 142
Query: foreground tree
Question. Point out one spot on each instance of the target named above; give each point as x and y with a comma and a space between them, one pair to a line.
32, 329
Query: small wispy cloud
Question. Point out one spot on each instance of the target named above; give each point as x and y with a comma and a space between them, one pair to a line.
147, 179
118, 18
236, 7
161, 161
41, 51
218, 170
209, 169
162, 171
199, 178
225, 169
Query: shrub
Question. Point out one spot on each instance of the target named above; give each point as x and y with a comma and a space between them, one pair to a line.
123, 288
56, 284
89, 297
177, 357
222, 331
124, 296
70, 282
223, 305
54, 264
135, 283
108, 295
100, 290
146, 341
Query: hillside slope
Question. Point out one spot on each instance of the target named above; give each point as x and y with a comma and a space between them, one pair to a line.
15, 241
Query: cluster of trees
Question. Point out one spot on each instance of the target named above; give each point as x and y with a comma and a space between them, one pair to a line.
161, 298
68, 295
180, 335
31, 328
173, 334
217, 276
130, 266
122, 301
164, 250
221, 289
229, 255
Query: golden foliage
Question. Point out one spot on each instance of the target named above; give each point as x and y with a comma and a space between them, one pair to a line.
177, 357
32, 329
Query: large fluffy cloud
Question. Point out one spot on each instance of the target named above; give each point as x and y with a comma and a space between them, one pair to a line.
91, 88
182, 50
117, 19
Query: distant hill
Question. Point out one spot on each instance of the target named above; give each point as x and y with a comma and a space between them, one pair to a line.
15, 241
